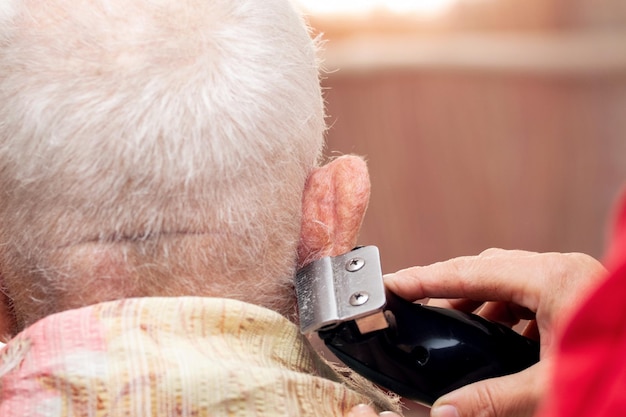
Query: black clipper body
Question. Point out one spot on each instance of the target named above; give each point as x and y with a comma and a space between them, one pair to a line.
419, 352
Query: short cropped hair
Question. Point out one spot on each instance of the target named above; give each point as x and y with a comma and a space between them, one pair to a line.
129, 120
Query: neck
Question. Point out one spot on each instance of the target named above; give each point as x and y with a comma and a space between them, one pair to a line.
181, 264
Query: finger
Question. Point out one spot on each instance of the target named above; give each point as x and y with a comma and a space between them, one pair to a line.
512, 395
531, 330
493, 275
461, 304
508, 314
363, 410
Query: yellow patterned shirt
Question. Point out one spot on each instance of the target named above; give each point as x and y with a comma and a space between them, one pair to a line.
187, 356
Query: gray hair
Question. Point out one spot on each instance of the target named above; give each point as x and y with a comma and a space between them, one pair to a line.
125, 122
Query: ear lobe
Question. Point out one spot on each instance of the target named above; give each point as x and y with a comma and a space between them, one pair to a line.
333, 207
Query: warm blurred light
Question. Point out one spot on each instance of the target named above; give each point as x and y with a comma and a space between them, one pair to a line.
423, 7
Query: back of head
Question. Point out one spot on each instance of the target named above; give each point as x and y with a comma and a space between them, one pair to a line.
151, 147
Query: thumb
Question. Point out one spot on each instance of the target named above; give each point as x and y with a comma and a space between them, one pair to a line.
516, 395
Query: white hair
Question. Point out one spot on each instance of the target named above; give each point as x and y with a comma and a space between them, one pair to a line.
127, 121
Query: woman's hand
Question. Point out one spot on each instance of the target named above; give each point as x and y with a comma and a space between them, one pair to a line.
506, 287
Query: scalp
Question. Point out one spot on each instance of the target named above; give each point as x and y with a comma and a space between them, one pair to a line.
126, 120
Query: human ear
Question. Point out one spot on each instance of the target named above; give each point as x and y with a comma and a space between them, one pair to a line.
334, 202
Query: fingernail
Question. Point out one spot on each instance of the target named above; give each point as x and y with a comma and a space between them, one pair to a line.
445, 410
360, 410
388, 414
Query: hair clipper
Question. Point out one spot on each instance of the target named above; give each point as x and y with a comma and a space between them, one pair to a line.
419, 352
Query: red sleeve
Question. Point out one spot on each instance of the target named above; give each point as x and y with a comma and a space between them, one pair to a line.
590, 369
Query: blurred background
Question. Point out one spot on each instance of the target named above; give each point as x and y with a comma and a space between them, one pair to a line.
485, 123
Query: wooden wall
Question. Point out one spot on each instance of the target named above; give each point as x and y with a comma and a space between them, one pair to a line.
462, 161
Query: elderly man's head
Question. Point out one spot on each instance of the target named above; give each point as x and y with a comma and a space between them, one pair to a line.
153, 147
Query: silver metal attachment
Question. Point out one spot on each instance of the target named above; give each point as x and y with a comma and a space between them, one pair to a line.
336, 289
355, 264
359, 298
